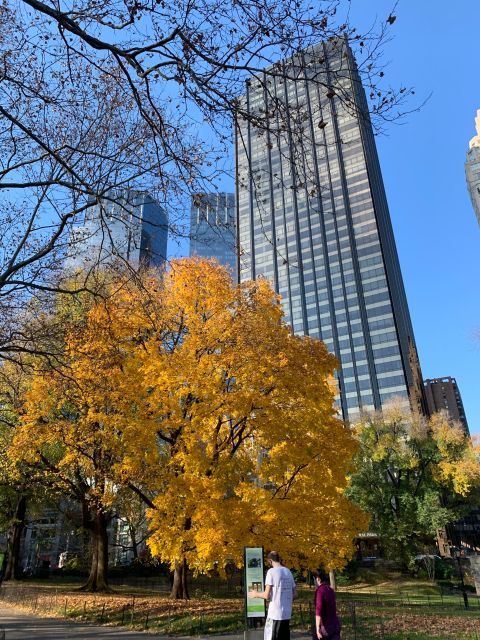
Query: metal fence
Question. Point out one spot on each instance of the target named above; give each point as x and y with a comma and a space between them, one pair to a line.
362, 615
367, 620
453, 599
357, 622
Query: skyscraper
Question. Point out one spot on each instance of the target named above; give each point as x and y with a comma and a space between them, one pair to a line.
443, 394
129, 225
472, 168
313, 218
212, 228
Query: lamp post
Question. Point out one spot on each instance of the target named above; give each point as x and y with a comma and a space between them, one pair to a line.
458, 555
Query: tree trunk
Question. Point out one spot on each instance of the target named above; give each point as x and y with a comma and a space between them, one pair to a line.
333, 579
98, 578
12, 571
133, 538
180, 587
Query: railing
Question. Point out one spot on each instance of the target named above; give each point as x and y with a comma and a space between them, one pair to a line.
363, 615
368, 618
136, 611
452, 598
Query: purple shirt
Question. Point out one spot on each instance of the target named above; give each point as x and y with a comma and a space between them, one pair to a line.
325, 605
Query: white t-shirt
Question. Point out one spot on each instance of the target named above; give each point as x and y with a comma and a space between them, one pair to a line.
281, 596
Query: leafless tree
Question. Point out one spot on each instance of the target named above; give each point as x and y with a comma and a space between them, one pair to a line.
99, 97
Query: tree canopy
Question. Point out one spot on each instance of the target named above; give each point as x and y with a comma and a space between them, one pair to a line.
412, 475
251, 443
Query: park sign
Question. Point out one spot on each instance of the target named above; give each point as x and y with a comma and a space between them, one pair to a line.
254, 579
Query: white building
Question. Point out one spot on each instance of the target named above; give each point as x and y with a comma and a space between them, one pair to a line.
472, 168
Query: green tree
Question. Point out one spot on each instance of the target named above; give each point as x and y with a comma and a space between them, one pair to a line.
412, 475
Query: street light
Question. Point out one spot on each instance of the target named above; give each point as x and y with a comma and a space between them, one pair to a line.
459, 554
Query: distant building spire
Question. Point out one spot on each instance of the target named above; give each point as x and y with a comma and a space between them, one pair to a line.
472, 168
475, 141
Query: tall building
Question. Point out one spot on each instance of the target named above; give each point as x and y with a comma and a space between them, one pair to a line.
472, 168
127, 224
313, 218
443, 394
213, 228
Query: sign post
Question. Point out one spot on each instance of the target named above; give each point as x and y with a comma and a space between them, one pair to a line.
253, 577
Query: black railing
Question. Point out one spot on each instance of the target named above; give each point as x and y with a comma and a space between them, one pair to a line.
363, 615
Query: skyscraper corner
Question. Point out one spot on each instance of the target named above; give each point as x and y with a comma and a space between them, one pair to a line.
213, 228
125, 224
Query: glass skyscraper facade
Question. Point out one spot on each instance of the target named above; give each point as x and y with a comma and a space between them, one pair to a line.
213, 228
313, 219
126, 224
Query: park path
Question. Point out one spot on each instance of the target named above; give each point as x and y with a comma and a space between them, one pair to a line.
18, 625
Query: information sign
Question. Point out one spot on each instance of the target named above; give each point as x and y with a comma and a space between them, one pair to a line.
254, 579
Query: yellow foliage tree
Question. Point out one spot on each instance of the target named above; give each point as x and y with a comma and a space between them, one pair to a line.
252, 448
16, 487
197, 390
74, 431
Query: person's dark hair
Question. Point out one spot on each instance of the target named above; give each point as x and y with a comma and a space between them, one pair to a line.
274, 556
322, 574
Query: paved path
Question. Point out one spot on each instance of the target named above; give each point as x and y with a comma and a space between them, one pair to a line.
19, 625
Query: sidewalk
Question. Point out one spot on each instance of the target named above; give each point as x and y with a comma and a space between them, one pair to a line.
19, 625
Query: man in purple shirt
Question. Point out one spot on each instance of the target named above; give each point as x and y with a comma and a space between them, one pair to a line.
327, 624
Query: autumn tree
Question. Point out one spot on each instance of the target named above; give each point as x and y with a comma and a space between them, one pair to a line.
251, 447
73, 408
15, 486
195, 390
46, 322
20, 493
412, 475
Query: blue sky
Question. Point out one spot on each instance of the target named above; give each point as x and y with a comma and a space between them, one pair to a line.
436, 48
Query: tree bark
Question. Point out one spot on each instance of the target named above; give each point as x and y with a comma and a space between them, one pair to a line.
333, 579
13, 571
180, 586
133, 538
98, 578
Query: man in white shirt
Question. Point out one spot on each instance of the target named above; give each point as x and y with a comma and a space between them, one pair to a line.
280, 590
